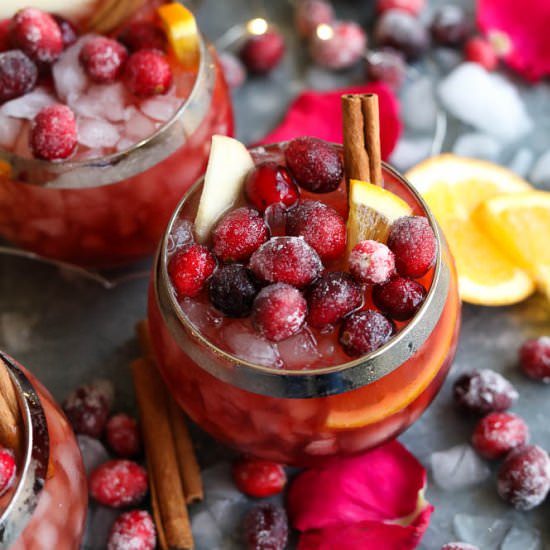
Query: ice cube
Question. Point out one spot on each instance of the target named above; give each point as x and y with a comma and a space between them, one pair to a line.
93, 452
447, 58
138, 126
477, 145
182, 234
521, 161
540, 174
486, 101
97, 133
102, 101
205, 531
522, 539
243, 341
457, 468
299, 350
100, 521
201, 315
419, 105
28, 105
410, 151
161, 107
9, 131
218, 483
484, 532
227, 514
69, 77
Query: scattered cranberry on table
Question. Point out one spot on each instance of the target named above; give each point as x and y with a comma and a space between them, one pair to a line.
414, 7
450, 26
258, 478
534, 357
498, 433
133, 530
87, 409
262, 53
459, 546
8, 470
123, 436
310, 14
266, 528
479, 50
386, 65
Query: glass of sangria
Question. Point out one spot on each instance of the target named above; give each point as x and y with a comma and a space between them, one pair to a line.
46, 505
107, 203
301, 398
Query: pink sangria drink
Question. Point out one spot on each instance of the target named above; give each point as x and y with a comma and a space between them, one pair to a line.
45, 505
281, 335
103, 125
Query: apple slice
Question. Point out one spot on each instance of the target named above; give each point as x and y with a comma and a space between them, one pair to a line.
74, 9
228, 165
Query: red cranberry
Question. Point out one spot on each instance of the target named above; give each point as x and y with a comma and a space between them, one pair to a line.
371, 262
309, 14
458, 546
524, 477
259, 478
18, 75
37, 34
54, 133
8, 469
123, 435
400, 30
118, 483
498, 433
103, 59
386, 66
315, 164
270, 183
234, 71
232, 290
412, 240
135, 530
5, 35
148, 73
331, 298
365, 331
69, 32
262, 53
87, 410
480, 50
143, 35
534, 358
238, 234
484, 391
279, 311
190, 268
266, 528
400, 298
286, 260
450, 26
320, 226
414, 7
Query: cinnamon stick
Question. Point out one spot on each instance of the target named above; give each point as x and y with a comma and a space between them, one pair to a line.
155, 506
356, 158
11, 423
371, 118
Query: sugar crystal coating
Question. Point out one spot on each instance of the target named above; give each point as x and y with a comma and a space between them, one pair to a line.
459, 546
400, 298
18, 74
87, 410
534, 358
103, 59
132, 530
190, 268
498, 433
266, 528
371, 262
365, 331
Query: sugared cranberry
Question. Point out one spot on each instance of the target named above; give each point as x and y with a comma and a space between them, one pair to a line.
279, 311
459, 546
266, 528
148, 73
118, 483
309, 14
232, 290
534, 357
37, 34
371, 262
331, 298
414, 7
123, 435
386, 66
400, 298
400, 30
103, 59
321, 227
498, 433
18, 75
135, 530
449, 26
54, 133
234, 71
524, 477
5, 35
238, 234
315, 164
87, 410
190, 268
143, 35
8, 468
262, 53
484, 391
286, 260
339, 46
270, 183
69, 32
480, 50
412, 240
259, 478
365, 331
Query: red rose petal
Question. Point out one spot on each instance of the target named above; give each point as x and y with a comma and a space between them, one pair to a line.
319, 114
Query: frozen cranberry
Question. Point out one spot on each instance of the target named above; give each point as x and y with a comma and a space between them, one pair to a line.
118, 483
233, 70
315, 164
412, 240
400, 30
135, 530
484, 391
320, 226
270, 183
37, 34
190, 268
371, 262
238, 234
498, 433
87, 410
8, 468
414, 7
286, 260
331, 298
387, 66
148, 73
534, 357
103, 59
480, 50
279, 311
123, 435
309, 14
450, 26
262, 53
400, 298
54, 133
458, 546
232, 290
18, 75
143, 35
365, 331
524, 477
5, 35
266, 528
69, 32
259, 478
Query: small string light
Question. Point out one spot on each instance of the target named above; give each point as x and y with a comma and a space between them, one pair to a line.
257, 26
324, 31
